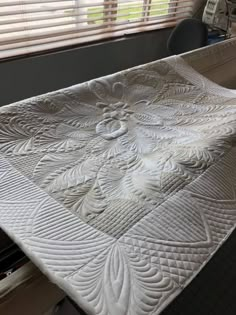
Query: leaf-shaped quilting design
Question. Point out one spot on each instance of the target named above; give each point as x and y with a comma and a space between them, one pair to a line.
178, 91
148, 119
100, 88
185, 137
109, 92
121, 283
139, 93
145, 186
81, 95
104, 90
52, 162
195, 157
88, 281
17, 137
117, 281
118, 90
46, 108
82, 115
105, 148
62, 138
105, 282
110, 179
164, 108
130, 185
162, 68
137, 140
86, 199
145, 78
166, 72
149, 286
71, 175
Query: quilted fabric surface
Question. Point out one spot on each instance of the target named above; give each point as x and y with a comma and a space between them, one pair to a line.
121, 189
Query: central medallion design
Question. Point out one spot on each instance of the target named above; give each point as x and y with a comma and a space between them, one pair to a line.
114, 123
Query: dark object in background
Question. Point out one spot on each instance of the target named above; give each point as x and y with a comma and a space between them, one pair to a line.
11, 257
216, 36
189, 34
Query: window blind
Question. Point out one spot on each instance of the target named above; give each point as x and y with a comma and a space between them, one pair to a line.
28, 26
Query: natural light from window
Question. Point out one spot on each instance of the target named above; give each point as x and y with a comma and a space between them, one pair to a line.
34, 25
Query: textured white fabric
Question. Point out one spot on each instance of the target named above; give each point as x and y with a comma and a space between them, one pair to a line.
121, 189
216, 62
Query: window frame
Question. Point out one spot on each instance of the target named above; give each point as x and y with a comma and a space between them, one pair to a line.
110, 26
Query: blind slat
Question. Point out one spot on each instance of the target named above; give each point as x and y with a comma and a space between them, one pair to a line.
81, 21
28, 10
88, 31
74, 41
28, 26
81, 4
32, 18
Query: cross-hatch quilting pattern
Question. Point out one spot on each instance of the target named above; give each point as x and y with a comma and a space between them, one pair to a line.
121, 188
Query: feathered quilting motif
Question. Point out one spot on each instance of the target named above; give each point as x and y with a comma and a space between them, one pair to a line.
121, 187
126, 136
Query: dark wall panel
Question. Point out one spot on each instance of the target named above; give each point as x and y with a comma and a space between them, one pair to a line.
23, 78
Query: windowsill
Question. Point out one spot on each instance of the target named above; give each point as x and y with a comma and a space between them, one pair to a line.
81, 46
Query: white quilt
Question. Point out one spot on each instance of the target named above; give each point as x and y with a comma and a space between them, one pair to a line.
121, 189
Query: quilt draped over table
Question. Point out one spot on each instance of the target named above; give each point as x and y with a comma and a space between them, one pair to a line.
122, 188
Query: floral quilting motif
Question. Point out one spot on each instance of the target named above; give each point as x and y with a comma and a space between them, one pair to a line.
118, 108
137, 136
122, 188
